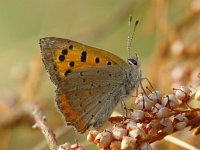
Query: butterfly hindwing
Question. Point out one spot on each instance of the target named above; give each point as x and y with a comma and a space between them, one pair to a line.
87, 99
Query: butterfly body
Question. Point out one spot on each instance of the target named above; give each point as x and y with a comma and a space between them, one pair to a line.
90, 81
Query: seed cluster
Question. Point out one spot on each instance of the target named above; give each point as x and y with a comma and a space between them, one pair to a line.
155, 114
68, 146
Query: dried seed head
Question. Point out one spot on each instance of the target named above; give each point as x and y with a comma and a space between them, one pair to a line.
128, 143
119, 132
183, 93
180, 121
77, 147
137, 132
181, 117
143, 103
173, 102
145, 146
153, 124
104, 139
131, 125
180, 125
65, 146
170, 101
153, 127
137, 114
156, 96
115, 145
97, 138
162, 113
91, 135
167, 126
153, 131
156, 108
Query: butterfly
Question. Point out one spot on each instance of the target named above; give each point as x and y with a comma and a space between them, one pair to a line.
90, 81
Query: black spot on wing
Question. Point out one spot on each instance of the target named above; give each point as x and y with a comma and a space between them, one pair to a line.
67, 72
71, 47
71, 64
64, 51
83, 56
61, 57
109, 63
97, 60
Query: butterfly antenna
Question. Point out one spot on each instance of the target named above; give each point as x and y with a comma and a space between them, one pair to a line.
131, 35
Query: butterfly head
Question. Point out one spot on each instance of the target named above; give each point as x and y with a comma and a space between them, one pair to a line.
134, 62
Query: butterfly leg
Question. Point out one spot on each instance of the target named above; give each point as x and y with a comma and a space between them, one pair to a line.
143, 89
149, 99
140, 83
123, 106
124, 109
145, 78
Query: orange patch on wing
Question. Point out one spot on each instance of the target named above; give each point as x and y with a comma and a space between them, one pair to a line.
70, 114
75, 56
68, 109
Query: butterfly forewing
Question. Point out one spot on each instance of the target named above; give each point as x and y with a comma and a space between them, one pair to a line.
61, 56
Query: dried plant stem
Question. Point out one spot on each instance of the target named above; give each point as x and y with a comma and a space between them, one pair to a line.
42, 124
193, 123
180, 143
60, 131
188, 20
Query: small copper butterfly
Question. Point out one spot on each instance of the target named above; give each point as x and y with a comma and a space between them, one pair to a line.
90, 81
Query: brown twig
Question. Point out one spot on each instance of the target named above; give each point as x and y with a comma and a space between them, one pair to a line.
60, 131
42, 124
180, 143
188, 20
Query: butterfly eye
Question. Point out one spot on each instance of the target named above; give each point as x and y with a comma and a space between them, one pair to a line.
133, 61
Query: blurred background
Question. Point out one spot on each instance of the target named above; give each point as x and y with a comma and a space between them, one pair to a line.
166, 39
